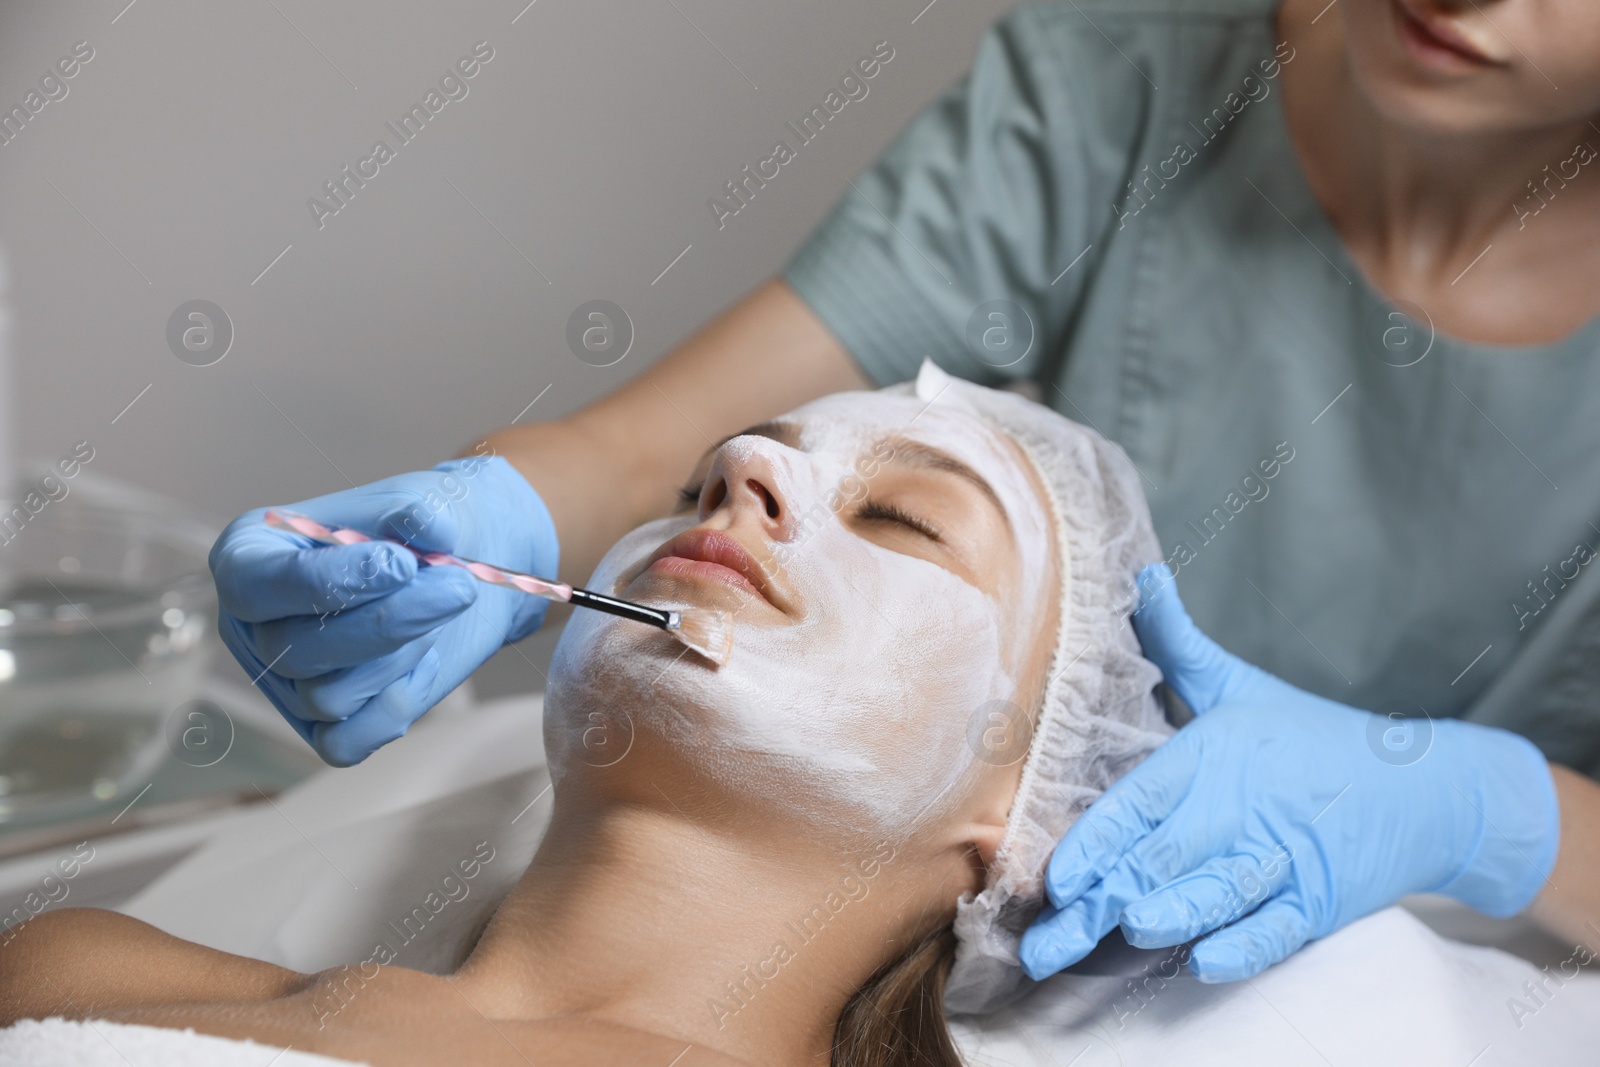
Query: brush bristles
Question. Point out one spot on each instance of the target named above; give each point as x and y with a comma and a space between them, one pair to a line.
709, 633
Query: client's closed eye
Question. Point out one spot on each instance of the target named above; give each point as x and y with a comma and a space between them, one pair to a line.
876, 511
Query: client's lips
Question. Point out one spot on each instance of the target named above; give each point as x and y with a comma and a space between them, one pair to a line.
1429, 35
718, 556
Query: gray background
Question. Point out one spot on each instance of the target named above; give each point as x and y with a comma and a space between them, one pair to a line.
179, 164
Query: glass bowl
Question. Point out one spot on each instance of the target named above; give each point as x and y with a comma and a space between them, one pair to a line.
107, 626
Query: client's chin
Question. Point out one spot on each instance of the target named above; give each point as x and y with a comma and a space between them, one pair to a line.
615, 680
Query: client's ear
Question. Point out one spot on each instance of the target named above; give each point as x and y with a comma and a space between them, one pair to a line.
986, 837
986, 823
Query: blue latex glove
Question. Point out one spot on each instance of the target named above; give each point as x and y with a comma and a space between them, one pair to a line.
1277, 816
353, 643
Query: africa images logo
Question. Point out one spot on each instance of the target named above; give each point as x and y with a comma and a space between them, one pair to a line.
453, 86
852, 86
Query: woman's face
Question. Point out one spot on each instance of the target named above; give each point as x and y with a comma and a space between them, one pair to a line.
1477, 65
888, 564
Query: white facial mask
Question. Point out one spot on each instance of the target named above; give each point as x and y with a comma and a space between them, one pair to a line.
856, 713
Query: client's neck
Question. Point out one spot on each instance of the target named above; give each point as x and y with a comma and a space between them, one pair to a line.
746, 943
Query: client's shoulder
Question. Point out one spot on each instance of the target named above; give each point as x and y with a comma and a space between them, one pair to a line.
77, 962
87, 963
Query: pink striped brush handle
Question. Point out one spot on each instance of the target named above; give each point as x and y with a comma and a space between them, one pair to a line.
305, 526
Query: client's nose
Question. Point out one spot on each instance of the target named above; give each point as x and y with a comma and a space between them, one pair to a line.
744, 481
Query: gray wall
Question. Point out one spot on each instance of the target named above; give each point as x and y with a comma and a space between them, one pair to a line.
179, 164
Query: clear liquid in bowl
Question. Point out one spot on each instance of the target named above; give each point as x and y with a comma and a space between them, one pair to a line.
89, 670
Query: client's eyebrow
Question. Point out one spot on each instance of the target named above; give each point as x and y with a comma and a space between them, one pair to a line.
919, 454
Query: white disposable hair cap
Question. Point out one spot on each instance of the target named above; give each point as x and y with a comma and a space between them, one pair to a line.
1099, 716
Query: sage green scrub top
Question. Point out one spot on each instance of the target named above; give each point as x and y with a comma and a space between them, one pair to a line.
1370, 509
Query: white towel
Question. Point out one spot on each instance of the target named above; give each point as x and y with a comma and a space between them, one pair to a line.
97, 1043
1385, 990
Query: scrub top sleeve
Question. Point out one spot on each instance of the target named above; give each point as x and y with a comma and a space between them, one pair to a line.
981, 198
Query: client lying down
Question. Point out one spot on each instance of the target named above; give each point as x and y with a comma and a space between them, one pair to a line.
805, 856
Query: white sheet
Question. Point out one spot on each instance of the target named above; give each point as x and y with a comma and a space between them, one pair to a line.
323, 873
322, 876
1384, 990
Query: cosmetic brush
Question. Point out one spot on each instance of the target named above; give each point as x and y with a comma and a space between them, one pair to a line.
706, 631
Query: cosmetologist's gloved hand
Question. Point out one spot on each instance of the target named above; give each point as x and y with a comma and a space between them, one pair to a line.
1277, 816
353, 643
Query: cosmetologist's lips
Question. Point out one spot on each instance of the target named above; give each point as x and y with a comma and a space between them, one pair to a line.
719, 556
